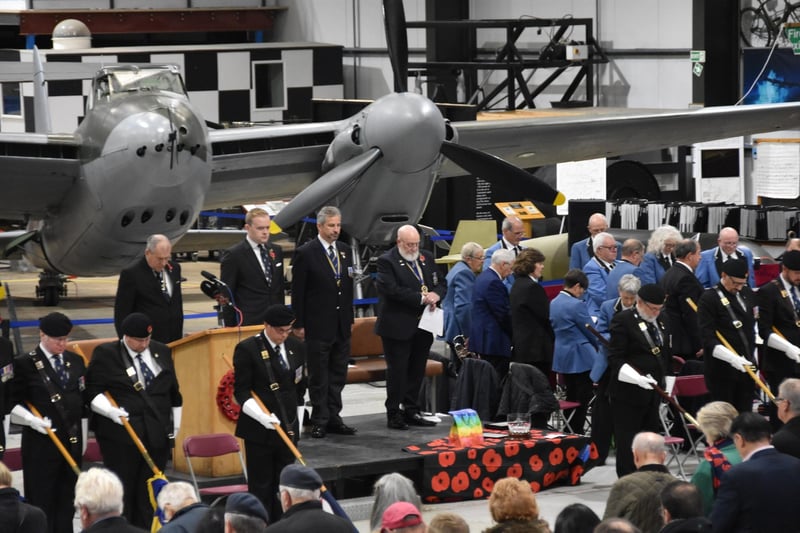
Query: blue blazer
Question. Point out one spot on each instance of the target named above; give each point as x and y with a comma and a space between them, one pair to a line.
596, 293
487, 262
622, 268
707, 269
759, 494
579, 253
490, 332
651, 270
457, 304
607, 311
575, 347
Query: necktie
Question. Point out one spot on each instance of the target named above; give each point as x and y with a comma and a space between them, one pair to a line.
267, 264
61, 370
656, 334
147, 374
611, 266
795, 299
163, 283
333, 257
284, 364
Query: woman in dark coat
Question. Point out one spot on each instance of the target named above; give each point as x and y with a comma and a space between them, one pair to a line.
530, 313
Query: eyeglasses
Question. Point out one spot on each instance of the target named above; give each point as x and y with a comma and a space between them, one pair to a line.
652, 307
778, 399
614, 247
284, 330
481, 258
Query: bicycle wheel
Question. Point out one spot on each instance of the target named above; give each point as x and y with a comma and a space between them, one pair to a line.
754, 28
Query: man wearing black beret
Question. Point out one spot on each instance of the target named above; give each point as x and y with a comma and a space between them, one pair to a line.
270, 365
245, 512
140, 376
637, 359
730, 308
302, 508
52, 380
779, 326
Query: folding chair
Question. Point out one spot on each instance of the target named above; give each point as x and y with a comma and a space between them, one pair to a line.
693, 386
674, 444
12, 458
92, 453
213, 445
560, 420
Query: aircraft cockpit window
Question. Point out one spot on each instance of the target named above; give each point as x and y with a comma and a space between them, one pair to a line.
147, 80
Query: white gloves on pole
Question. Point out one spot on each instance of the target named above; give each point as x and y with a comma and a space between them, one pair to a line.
26, 418
628, 375
177, 414
776, 342
84, 434
102, 406
723, 354
251, 409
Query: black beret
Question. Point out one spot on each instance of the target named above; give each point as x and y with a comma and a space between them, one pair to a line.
278, 315
55, 325
300, 477
791, 260
246, 504
736, 268
652, 293
137, 325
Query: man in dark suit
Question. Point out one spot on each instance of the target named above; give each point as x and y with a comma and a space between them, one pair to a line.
408, 281
729, 308
253, 272
787, 439
680, 282
50, 379
638, 358
98, 500
322, 301
490, 332
152, 286
270, 365
6, 376
779, 326
533, 336
760, 493
139, 374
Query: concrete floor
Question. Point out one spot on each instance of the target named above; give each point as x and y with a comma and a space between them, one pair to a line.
93, 299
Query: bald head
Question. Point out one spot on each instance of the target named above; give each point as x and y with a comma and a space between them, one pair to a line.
728, 240
648, 449
597, 224
408, 242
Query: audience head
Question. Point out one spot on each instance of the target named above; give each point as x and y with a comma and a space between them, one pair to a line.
605, 247
734, 275
5, 476
158, 252
715, 420
663, 240
513, 499
214, 519
448, 523
472, 254
256, 223
513, 230
648, 449
54, 330
402, 517
650, 301
728, 240
576, 518
750, 431
788, 401
681, 500
633, 251
628, 288
408, 242
688, 251
616, 525
576, 281
245, 513
391, 488
298, 484
792, 243
597, 224
98, 494
502, 261
790, 267
529, 261
175, 496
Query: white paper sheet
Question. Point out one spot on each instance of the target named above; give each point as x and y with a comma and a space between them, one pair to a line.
432, 321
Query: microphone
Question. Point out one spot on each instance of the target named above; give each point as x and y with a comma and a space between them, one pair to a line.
209, 289
212, 278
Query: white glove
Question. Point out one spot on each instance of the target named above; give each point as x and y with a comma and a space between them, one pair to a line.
301, 414
628, 375
102, 406
776, 342
26, 418
251, 409
723, 354
177, 415
84, 435
7, 424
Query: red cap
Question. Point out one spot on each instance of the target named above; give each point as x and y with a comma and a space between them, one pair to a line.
399, 515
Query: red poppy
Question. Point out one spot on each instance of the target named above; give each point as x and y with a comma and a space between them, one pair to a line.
492, 460
440, 481
572, 454
536, 463
422, 258
535, 487
272, 254
447, 459
549, 479
562, 474
593, 453
511, 448
487, 484
460, 482
472, 453
556, 456
477, 494
474, 471
577, 472
514, 470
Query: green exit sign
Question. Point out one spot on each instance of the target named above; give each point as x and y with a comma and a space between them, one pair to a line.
793, 35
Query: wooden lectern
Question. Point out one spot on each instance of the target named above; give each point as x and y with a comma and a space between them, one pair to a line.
199, 365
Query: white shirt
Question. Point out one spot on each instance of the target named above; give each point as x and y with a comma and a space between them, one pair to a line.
257, 250
148, 359
50, 357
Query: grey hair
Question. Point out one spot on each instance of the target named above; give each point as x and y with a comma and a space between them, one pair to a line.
648, 442
100, 491
327, 212
470, 249
300, 495
629, 283
389, 489
631, 246
790, 391
661, 235
715, 420
176, 493
686, 247
242, 523
597, 240
154, 240
508, 222
502, 256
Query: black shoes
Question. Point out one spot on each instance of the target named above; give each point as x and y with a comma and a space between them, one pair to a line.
397, 421
318, 432
417, 420
341, 429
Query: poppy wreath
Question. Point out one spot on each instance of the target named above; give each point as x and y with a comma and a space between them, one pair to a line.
225, 401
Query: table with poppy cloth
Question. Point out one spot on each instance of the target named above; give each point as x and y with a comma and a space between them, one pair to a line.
453, 473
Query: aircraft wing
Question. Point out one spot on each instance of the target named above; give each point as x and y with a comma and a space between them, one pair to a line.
253, 165
37, 171
552, 136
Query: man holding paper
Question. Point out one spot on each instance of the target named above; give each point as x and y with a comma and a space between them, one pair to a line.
408, 281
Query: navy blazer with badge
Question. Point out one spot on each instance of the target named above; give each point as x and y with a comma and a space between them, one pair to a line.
679, 282
759, 494
251, 375
775, 308
490, 332
322, 307
109, 371
579, 253
399, 296
139, 291
241, 270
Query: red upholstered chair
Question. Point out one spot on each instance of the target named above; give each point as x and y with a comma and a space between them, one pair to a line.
213, 445
692, 386
92, 453
12, 458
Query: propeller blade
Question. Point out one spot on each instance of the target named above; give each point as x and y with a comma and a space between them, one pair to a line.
394, 20
323, 189
503, 173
